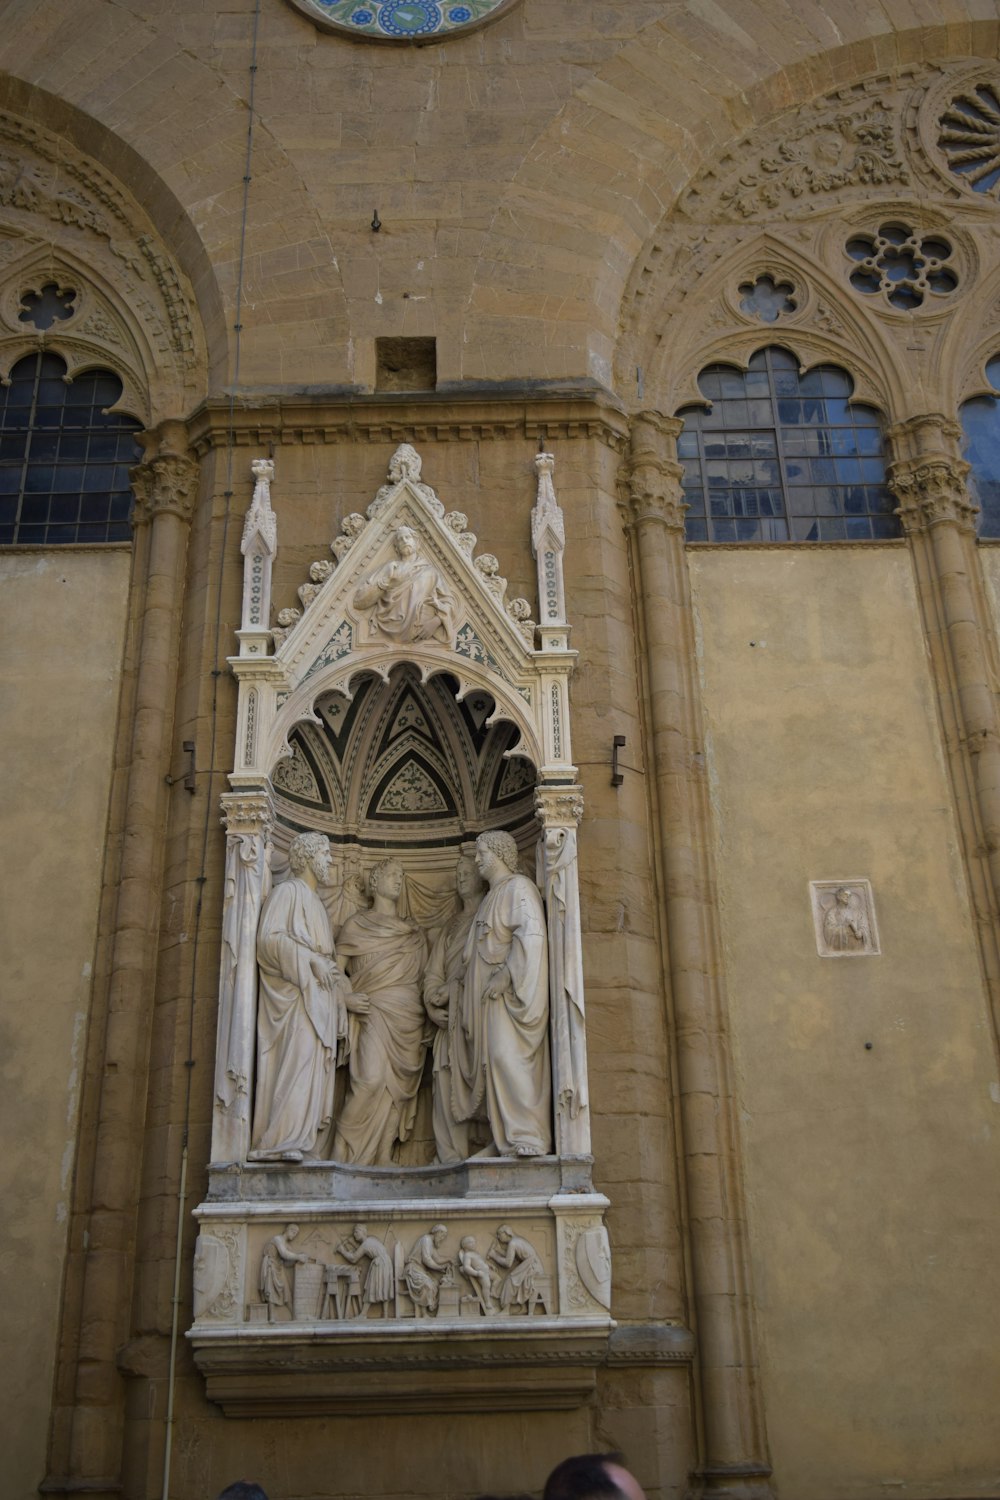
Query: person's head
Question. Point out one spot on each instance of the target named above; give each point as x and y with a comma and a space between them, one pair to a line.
592, 1476
405, 541
386, 878
291, 1232
505, 1234
360, 1232
468, 881
496, 852
467, 1242
242, 1489
312, 849
438, 1233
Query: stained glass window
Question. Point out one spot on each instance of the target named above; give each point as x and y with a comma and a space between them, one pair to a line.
64, 458
780, 456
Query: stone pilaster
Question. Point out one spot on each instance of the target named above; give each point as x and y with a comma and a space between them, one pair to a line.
164, 486
734, 1449
938, 517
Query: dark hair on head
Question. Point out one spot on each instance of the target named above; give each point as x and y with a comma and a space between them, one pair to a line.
242, 1489
584, 1477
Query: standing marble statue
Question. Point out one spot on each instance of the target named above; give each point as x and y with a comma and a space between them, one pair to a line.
443, 985
302, 1011
500, 1046
408, 599
386, 954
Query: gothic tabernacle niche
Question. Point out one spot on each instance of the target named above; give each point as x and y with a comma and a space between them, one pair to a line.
401, 1135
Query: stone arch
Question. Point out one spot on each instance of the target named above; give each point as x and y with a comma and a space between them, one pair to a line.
69, 224
584, 210
188, 175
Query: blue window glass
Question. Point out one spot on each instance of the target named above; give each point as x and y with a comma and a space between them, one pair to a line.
981, 446
56, 440
780, 456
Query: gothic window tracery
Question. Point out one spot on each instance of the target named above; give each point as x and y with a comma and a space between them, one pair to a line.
776, 455
64, 456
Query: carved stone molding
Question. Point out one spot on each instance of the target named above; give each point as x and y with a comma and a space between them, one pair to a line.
165, 485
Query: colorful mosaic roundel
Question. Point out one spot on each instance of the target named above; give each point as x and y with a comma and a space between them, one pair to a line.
402, 20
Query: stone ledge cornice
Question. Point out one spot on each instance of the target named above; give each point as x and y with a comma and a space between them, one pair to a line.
563, 412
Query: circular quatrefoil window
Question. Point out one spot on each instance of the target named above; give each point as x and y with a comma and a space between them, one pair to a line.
402, 20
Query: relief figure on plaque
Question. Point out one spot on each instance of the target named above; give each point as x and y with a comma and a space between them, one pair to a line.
301, 1014
385, 955
845, 925
425, 1270
522, 1264
408, 600
380, 1281
500, 1046
272, 1283
443, 985
478, 1271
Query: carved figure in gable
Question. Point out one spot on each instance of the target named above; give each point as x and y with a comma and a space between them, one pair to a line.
386, 954
302, 1013
443, 986
523, 1265
426, 1270
407, 600
500, 1046
272, 1283
380, 1281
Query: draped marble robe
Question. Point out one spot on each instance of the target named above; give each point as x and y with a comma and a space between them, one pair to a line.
500, 1048
443, 986
385, 955
298, 1024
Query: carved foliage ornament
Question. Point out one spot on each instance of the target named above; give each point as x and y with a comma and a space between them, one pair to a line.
402, 20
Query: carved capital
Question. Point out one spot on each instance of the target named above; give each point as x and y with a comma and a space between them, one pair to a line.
651, 475
246, 813
558, 806
931, 491
164, 485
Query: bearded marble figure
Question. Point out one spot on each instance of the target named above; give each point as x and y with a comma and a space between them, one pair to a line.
443, 986
302, 1011
500, 1046
385, 953
408, 600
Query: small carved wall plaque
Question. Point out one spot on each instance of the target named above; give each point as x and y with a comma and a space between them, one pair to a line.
844, 918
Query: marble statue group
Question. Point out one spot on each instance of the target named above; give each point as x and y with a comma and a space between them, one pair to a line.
344, 1029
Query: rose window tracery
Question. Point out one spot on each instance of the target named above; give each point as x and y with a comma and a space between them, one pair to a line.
902, 265
969, 139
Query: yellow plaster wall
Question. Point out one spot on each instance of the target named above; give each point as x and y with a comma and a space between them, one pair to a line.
62, 622
872, 1180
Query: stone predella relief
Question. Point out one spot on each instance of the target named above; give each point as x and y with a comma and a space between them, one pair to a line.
402, 20
844, 918
401, 1133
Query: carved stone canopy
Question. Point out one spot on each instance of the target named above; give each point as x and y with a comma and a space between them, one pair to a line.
405, 709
